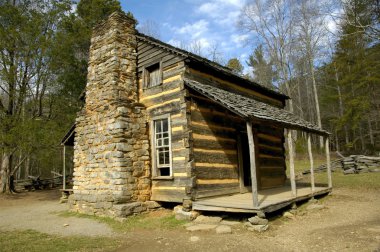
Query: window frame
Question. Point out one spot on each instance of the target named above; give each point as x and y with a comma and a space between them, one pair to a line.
146, 74
155, 167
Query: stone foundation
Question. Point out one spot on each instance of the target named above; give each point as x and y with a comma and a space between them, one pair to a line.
111, 151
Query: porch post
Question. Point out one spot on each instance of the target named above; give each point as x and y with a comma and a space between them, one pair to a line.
311, 164
252, 159
328, 165
291, 164
64, 167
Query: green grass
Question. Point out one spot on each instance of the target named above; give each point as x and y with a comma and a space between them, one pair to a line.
31, 241
152, 221
370, 181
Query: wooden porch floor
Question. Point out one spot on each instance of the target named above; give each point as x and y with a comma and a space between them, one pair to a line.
269, 200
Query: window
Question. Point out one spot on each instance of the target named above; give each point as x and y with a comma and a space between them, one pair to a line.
162, 149
153, 75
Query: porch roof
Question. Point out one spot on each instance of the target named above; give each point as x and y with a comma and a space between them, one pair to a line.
254, 110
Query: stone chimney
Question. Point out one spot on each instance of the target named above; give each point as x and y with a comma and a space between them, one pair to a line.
111, 151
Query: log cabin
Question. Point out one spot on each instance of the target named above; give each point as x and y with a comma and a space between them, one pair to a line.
160, 124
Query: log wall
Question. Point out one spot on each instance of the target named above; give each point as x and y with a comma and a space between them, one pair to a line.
214, 143
168, 98
271, 156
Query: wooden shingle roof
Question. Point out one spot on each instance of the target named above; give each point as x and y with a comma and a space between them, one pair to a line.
251, 109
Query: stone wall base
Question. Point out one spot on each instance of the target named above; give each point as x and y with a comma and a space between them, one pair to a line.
111, 209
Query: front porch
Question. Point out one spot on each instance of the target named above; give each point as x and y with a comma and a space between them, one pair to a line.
269, 200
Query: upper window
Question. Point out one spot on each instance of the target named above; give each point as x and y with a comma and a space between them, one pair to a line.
153, 75
162, 152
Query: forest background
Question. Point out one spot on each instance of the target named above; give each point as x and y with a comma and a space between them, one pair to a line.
333, 80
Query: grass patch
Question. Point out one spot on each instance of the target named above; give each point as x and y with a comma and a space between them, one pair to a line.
31, 241
370, 181
157, 220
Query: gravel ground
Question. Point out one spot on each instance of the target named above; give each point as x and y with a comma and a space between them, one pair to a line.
39, 211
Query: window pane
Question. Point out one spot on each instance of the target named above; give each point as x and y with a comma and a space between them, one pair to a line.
158, 126
166, 154
165, 126
161, 158
166, 141
159, 143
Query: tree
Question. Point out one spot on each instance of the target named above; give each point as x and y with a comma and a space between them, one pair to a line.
353, 76
26, 32
43, 67
262, 70
235, 66
271, 22
370, 10
310, 32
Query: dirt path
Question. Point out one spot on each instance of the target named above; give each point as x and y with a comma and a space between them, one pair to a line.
350, 221
39, 211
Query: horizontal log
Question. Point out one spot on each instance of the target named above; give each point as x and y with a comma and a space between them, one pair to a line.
216, 133
271, 162
153, 53
213, 144
168, 195
212, 126
269, 147
172, 67
217, 151
215, 158
216, 173
215, 165
213, 138
207, 116
270, 156
170, 184
161, 88
266, 142
175, 100
160, 94
271, 152
268, 130
216, 181
216, 192
269, 137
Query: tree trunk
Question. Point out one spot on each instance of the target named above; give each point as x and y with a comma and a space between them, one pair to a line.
6, 172
341, 108
371, 137
317, 109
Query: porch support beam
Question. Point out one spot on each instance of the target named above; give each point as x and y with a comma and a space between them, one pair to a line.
252, 159
312, 183
291, 163
328, 164
64, 167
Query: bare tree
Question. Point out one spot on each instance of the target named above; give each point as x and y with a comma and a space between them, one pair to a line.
150, 28
311, 32
271, 22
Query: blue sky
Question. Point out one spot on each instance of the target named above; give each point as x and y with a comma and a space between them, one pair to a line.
209, 22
